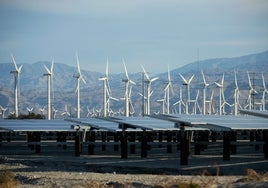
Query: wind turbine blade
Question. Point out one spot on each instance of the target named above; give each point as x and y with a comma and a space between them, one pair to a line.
222, 80
146, 74
125, 70
48, 71
154, 79
169, 78
82, 78
107, 68
263, 81
249, 81
19, 69
190, 80
132, 82
236, 85
52, 66
14, 62
78, 66
204, 79
219, 85
183, 79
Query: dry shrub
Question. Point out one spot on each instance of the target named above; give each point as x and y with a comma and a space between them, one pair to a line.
178, 185
252, 175
7, 179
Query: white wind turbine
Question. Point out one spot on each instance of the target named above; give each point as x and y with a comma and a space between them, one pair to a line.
30, 110
263, 100
79, 77
167, 92
49, 74
180, 101
16, 73
42, 110
163, 101
220, 86
127, 82
205, 86
148, 82
105, 90
187, 84
211, 104
3, 110
196, 105
65, 113
252, 91
236, 96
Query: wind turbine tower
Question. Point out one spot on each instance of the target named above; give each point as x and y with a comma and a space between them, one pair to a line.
251, 94
236, 96
16, 73
263, 93
220, 86
127, 81
205, 86
148, 82
105, 81
79, 77
49, 74
167, 91
187, 84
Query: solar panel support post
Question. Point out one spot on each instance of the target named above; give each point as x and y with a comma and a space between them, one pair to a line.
233, 138
184, 145
91, 144
116, 139
123, 140
78, 144
226, 146
265, 145
144, 144
37, 139
169, 139
29, 140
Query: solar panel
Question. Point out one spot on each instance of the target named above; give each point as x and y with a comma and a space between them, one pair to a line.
35, 125
150, 123
222, 123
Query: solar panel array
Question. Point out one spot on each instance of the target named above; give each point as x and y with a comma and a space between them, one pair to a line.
154, 123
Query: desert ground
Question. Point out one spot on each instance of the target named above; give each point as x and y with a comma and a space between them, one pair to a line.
57, 167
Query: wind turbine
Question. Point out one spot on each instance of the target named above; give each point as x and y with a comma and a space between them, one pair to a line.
30, 110
180, 101
167, 91
211, 103
252, 91
236, 96
16, 73
148, 82
187, 84
49, 74
79, 77
196, 105
42, 110
65, 113
220, 86
205, 86
127, 82
105, 85
3, 110
263, 93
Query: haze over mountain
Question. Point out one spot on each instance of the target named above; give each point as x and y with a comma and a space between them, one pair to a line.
33, 85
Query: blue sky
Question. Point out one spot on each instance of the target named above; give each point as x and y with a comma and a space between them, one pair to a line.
152, 33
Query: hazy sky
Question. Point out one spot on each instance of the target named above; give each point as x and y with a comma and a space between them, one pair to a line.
152, 33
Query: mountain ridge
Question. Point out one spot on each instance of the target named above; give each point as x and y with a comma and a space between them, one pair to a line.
33, 84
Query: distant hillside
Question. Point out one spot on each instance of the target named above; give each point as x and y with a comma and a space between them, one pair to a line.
33, 84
